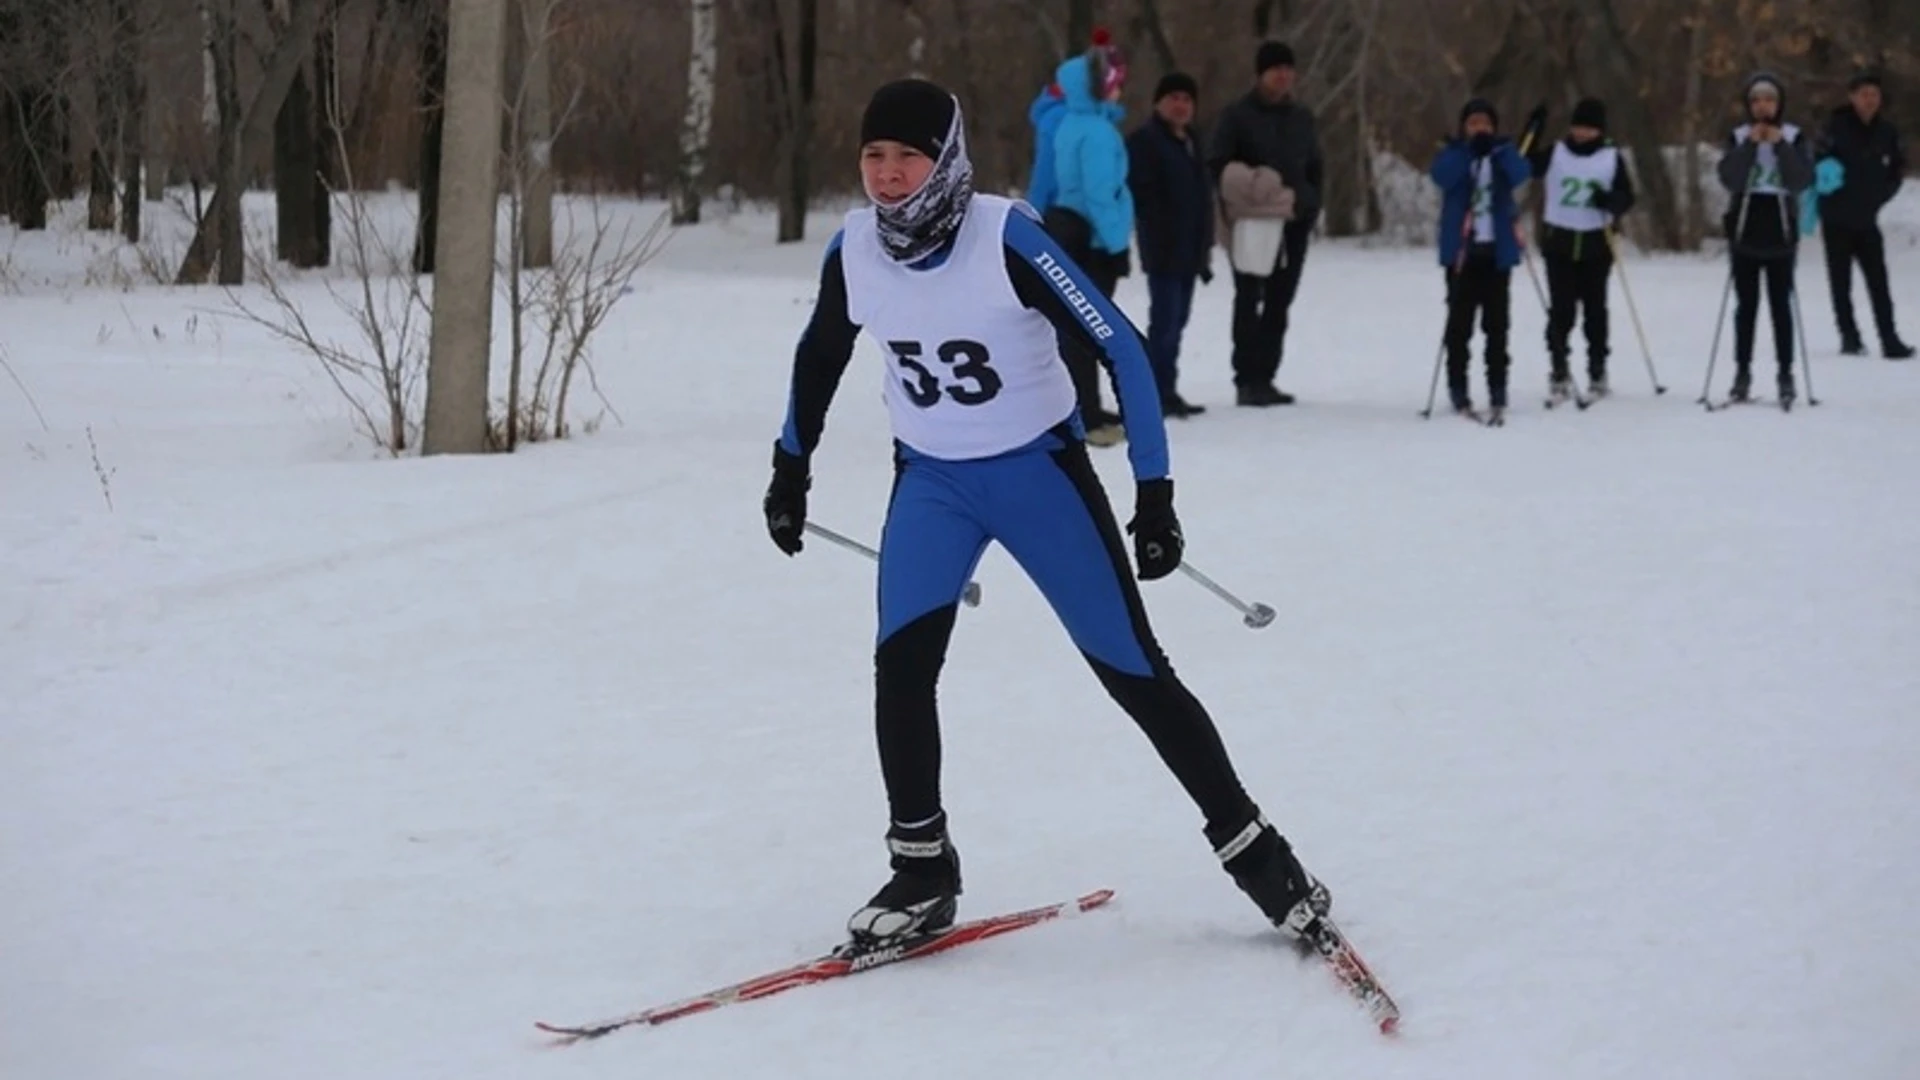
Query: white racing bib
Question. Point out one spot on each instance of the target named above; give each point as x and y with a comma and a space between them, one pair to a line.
1572, 180
970, 371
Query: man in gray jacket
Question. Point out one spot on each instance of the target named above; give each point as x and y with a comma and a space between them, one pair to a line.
1269, 128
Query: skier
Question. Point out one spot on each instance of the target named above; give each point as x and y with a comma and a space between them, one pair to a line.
968, 294
1477, 172
1765, 168
1866, 146
1587, 189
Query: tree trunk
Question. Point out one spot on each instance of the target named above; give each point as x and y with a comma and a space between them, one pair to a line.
102, 191
432, 99
327, 132
253, 138
33, 111
456, 414
696, 126
131, 80
1157, 34
799, 142
228, 227
296, 175
1615, 71
1079, 25
536, 134
1696, 221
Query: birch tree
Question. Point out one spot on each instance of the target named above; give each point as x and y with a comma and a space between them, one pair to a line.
696, 126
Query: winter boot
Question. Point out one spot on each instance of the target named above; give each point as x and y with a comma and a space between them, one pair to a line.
1851, 345
1597, 387
1262, 864
1560, 388
923, 896
1896, 350
1786, 388
1742, 384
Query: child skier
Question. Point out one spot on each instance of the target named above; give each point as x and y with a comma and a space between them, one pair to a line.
1766, 167
968, 293
1477, 172
1587, 189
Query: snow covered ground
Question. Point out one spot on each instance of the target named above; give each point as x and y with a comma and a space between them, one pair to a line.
316, 764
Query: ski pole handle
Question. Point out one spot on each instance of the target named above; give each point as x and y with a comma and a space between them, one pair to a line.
970, 595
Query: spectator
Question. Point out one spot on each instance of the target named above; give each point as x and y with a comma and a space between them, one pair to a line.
1268, 129
1866, 146
1173, 219
1091, 214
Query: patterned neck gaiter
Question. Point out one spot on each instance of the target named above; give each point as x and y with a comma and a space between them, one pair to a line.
920, 224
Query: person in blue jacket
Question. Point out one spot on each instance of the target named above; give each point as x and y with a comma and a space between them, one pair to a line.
1049, 105
1091, 213
1477, 172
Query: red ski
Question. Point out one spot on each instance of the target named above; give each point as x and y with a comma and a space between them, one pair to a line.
1350, 971
842, 961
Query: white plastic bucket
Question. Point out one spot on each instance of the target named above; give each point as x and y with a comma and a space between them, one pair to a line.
1256, 245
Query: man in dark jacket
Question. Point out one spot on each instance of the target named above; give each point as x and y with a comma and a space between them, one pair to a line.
1867, 146
1173, 226
1269, 128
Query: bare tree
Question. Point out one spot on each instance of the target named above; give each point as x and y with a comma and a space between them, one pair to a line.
456, 418
243, 136
534, 124
696, 126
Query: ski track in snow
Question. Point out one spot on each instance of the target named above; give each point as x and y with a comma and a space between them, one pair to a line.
318, 765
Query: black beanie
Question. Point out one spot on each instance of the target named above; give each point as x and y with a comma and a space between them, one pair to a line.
1864, 78
1480, 105
1591, 112
912, 111
1176, 82
1272, 54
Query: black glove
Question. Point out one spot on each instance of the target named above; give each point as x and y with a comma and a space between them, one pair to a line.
1482, 144
1600, 199
786, 501
1206, 273
1121, 263
1157, 543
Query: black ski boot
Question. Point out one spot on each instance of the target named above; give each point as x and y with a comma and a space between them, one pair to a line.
1262, 863
923, 896
1742, 384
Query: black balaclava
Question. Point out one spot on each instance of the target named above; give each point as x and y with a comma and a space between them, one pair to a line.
927, 118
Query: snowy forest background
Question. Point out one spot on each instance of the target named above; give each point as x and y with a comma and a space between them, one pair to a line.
124, 101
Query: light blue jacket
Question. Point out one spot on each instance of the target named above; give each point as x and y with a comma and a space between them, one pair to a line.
1044, 114
1090, 160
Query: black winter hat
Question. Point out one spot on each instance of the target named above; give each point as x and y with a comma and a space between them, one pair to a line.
1864, 78
1176, 82
1272, 54
1591, 112
1481, 106
1769, 80
912, 111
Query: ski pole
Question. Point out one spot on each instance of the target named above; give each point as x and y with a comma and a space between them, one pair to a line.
1258, 616
971, 595
1433, 388
1720, 322
1633, 309
1793, 291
